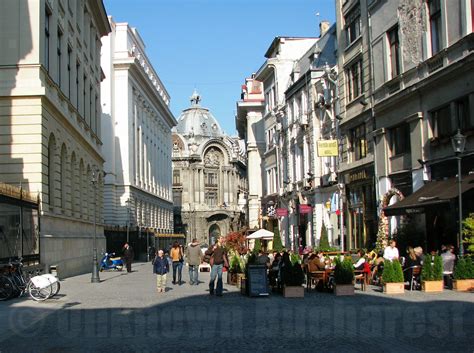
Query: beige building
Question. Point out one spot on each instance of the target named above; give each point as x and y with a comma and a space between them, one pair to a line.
209, 176
422, 95
137, 125
50, 115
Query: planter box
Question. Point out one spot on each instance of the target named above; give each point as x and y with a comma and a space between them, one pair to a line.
293, 292
463, 285
344, 289
432, 286
240, 277
394, 288
243, 286
231, 278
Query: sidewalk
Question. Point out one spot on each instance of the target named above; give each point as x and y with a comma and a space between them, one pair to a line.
124, 313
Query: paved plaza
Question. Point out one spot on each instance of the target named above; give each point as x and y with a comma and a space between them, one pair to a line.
124, 313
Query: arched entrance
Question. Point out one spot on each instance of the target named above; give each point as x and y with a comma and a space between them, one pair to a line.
214, 233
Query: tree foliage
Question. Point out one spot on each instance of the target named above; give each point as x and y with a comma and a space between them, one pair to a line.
236, 241
468, 232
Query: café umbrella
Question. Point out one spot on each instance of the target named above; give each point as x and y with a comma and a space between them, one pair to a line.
261, 234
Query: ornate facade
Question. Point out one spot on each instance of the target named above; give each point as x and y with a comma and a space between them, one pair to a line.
209, 176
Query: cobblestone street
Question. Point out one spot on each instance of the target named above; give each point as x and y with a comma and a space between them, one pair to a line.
125, 314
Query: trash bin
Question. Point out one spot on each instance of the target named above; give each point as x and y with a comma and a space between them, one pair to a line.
53, 269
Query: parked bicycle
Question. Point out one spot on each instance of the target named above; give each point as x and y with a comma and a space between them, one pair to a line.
14, 282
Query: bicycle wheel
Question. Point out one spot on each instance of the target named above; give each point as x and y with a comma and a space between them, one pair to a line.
55, 287
6, 288
19, 284
39, 294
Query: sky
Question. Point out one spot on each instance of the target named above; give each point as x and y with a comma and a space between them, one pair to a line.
213, 45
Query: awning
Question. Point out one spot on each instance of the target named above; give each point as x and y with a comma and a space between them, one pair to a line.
261, 234
431, 194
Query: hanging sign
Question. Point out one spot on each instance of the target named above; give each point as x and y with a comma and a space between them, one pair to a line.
281, 212
327, 148
305, 209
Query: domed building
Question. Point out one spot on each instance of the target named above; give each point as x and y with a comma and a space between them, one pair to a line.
209, 176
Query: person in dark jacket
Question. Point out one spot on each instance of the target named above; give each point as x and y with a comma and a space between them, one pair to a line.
160, 267
128, 256
194, 258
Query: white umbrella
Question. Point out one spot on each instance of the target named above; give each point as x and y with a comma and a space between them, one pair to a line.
261, 234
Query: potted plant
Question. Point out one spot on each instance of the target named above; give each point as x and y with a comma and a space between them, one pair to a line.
432, 275
463, 275
293, 279
392, 278
234, 269
344, 277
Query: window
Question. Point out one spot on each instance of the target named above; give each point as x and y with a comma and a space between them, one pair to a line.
354, 80
211, 179
176, 177
463, 116
78, 67
441, 122
435, 25
46, 38
69, 78
394, 46
211, 198
352, 21
84, 97
359, 142
400, 139
60, 39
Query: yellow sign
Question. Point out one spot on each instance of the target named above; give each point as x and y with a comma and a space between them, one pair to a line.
327, 148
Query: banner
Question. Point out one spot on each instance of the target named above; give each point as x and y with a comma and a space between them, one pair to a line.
305, 209
327, 148
281, 212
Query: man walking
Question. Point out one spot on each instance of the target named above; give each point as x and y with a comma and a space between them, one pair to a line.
218, 261
128, 256
194, 257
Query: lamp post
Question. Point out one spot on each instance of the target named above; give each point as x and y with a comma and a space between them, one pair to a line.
128, 218
95, 269
458, 141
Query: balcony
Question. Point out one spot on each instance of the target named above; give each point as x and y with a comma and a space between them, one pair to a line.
400, 162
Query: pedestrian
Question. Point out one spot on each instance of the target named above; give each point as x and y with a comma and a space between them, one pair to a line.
194, 258
128, 256
218, 261
160, 268
176, 254
391, 251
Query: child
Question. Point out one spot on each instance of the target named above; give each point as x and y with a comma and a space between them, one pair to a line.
161, 268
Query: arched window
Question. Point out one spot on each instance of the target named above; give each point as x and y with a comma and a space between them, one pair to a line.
82, 177
51, 168
74, 186
62, 177
89, 194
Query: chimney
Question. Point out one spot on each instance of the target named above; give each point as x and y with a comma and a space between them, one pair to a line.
323, 27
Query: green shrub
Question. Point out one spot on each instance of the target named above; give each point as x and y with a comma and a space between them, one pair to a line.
324, 241
427, 270
470, 267
344, 271
461, 271
258, 246
397, 272
295, 259
468, 232
388, 272
277, 245
235, 264
293, 275
438, 268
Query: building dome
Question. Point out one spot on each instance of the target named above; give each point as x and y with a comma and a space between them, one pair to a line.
198, 121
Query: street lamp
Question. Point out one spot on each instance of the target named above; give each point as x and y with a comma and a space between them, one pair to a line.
95, 269
128, 202
459, 141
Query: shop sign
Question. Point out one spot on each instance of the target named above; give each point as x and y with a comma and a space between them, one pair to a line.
305, 209
360, 175
281, 212
327, 148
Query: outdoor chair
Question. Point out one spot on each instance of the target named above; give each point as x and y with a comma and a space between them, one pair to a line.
413, 276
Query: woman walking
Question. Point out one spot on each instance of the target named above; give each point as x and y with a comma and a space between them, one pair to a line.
160, 268
176, 254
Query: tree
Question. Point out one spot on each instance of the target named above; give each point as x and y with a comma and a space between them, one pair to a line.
468, 232
277, 245
324, 241
258, 246
236, 241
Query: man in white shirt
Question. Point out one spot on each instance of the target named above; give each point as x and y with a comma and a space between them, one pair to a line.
391, 251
